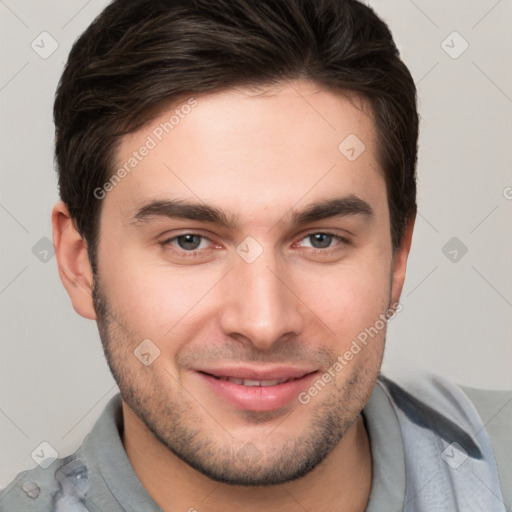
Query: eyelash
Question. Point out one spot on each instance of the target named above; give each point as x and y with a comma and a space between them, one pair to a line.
342, 242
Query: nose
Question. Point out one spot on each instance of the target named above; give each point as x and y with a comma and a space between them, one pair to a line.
259, 303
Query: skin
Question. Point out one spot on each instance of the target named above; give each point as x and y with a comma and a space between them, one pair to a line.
259, 156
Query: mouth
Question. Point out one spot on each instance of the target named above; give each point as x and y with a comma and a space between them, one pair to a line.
256, 389
253, 383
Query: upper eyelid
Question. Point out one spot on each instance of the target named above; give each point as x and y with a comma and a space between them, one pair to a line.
167, 238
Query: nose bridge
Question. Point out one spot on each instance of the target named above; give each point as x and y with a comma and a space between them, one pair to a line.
260, 306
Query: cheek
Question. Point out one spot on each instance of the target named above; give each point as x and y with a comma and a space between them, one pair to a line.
160, 302
349, 299
155, 300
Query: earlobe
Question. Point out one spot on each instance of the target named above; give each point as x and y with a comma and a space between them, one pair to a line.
400, 261
73, 261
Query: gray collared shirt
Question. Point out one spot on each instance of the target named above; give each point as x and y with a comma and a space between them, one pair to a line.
98, 477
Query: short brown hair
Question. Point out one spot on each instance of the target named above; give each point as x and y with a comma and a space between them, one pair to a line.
139, 54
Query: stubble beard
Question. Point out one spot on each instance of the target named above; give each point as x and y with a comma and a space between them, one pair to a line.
176, 419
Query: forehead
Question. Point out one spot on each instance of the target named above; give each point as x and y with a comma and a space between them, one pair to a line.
252, 151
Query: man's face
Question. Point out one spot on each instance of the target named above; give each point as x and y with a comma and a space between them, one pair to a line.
291, 262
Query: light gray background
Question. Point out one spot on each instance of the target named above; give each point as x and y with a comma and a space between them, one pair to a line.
456, 317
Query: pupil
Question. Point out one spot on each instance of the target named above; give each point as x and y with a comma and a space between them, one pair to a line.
189, 242
321, 240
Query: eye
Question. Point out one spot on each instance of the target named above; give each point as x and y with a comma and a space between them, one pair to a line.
189, 242
321, 240
189, 248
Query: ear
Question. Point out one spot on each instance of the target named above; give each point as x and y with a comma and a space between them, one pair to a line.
73, 261
400, 261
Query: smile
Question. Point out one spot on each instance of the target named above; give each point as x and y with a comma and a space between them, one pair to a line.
250, 382
255, 389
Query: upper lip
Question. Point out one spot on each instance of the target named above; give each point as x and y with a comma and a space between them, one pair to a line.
259, 374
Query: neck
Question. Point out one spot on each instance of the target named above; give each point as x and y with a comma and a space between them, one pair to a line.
341, 482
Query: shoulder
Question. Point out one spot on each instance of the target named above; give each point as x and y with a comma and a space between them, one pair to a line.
495, 409
36, 489
68, 483
459, 412
493, 406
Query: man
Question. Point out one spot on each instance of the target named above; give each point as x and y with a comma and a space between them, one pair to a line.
238, 202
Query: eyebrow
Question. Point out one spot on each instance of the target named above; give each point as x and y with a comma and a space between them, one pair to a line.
337, 207
184, 210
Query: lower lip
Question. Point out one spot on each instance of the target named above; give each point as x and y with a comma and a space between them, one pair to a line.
257, 398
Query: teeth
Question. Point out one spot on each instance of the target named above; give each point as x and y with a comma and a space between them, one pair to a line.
249, 382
